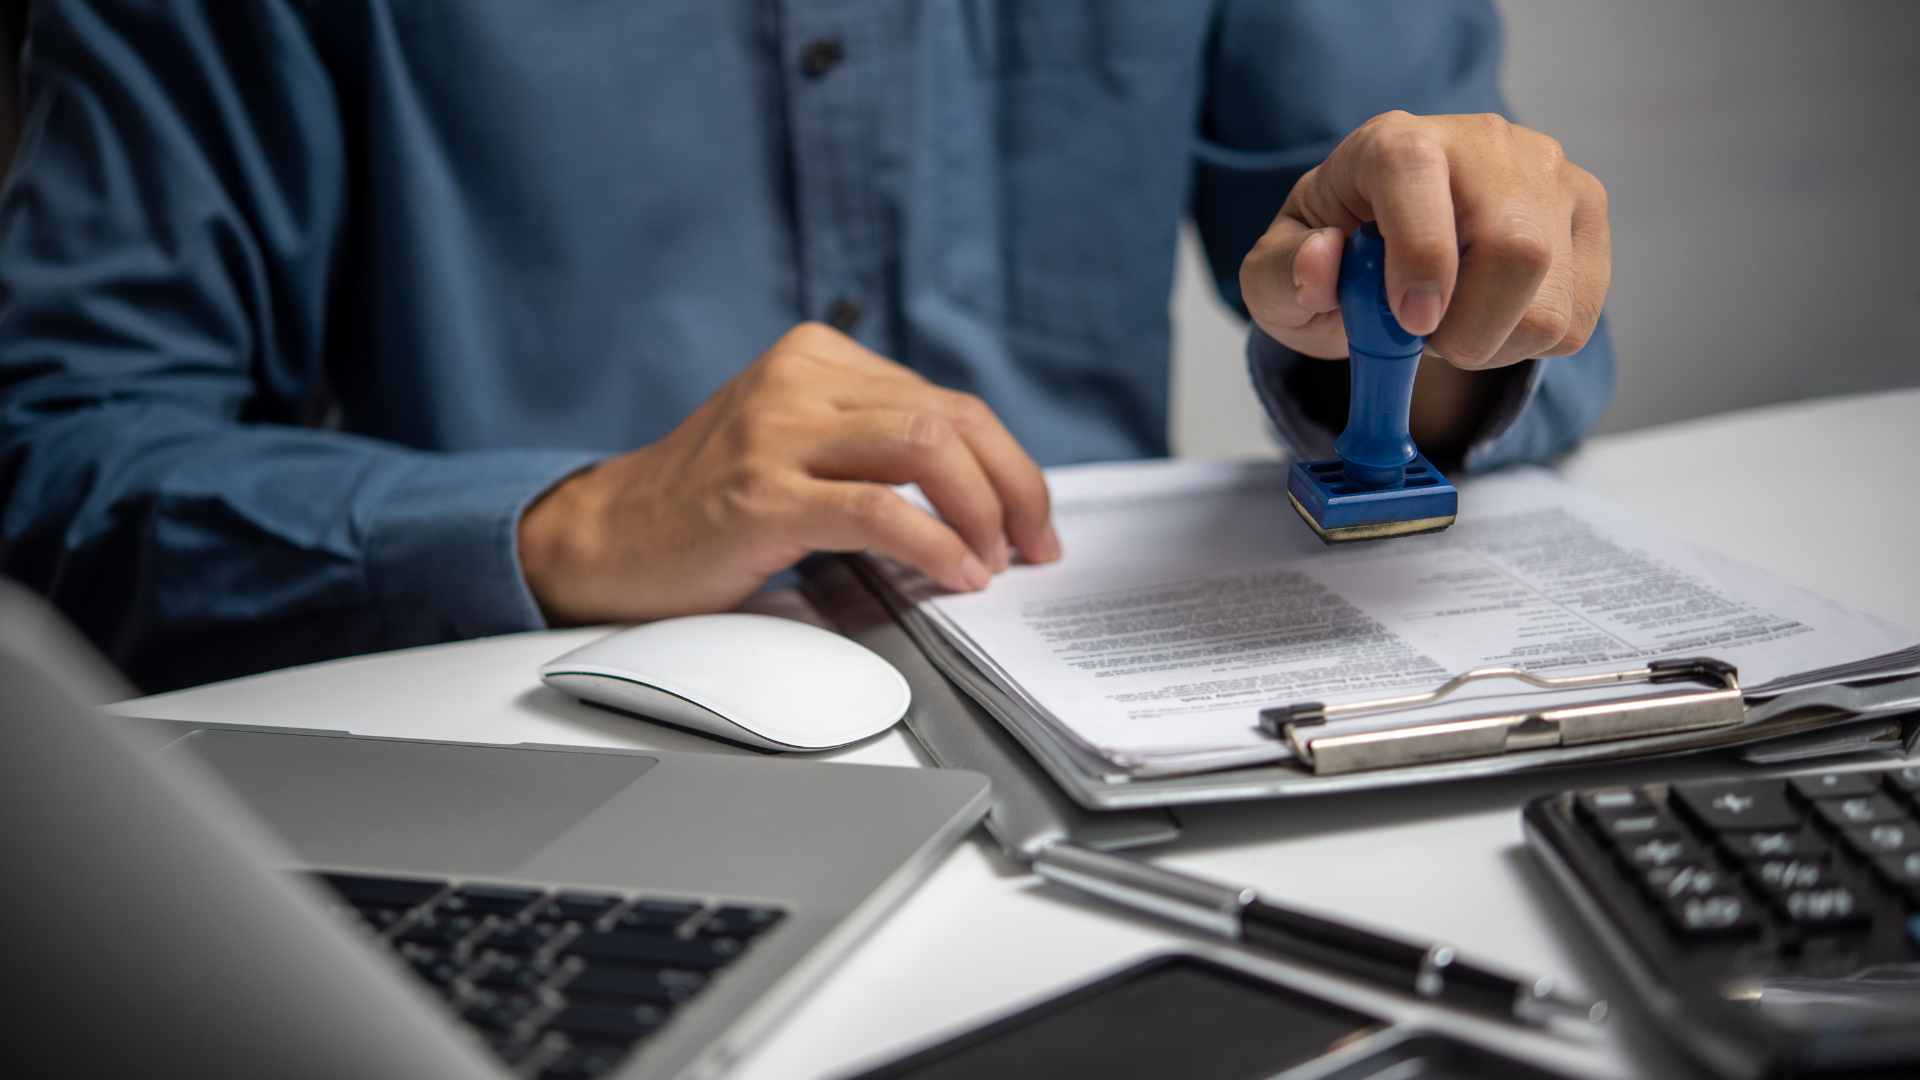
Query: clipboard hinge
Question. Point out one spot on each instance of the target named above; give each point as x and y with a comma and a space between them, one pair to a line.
1721, 705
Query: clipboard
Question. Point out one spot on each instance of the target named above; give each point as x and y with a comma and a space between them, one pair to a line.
1881, 716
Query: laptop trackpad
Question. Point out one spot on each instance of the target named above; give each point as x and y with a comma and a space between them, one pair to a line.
411, 806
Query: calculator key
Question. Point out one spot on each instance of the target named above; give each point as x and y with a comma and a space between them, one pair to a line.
1903, 870
1886, 838
1674, 882
1659, 851
1860, 810
1603, 803
1907, 779
1837, 785
1755, 804
1786, 875
1626, 829
1774, 843
1827, 905
1699, 916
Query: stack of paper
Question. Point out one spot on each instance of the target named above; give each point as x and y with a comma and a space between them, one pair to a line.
1191, 597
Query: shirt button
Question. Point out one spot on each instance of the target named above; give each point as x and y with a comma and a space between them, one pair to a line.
845, 313
822, 56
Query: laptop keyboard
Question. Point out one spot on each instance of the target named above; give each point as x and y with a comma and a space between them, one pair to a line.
563, 984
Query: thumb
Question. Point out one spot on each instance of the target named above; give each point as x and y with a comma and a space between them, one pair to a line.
1290, 282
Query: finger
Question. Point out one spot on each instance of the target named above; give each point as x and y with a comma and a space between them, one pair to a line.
1592, 262
1290, 282
844, 356
901, 446
1400, 171
851, 515
1512, 229
1018, 483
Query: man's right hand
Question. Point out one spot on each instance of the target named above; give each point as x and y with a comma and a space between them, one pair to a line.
791, 456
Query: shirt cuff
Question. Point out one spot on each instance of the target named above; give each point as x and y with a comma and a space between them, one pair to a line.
1545, 407
443, 543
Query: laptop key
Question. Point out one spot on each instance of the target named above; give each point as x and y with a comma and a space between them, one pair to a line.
497, 1012
739, 922
439, 929
507, 972
601, 1020
577, 907
654, 950
584, 1061
647, 984
656, 916
439, 966
519, 937
1836, 785
383, 892
489, 900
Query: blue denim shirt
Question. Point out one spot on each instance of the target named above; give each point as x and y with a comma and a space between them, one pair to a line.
497, 241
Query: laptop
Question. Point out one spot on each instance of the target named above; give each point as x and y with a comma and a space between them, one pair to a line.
219, 900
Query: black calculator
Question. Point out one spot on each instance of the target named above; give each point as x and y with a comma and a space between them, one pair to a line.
1773, 926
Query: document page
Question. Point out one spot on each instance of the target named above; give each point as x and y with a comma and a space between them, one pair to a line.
1191, 596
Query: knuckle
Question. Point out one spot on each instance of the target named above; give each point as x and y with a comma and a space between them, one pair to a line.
868, 504
923, 432
1523, 246
1544, 326
1407, 149
969, 410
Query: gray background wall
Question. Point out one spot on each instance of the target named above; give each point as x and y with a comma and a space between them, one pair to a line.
1762, 159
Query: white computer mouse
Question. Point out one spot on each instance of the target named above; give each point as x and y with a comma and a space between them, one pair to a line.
764, 681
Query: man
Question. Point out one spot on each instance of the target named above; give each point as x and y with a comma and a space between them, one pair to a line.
500, 245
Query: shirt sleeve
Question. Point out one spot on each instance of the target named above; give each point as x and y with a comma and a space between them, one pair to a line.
1287, 81
167, 238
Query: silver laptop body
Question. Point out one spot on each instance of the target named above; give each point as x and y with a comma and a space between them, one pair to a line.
161, 915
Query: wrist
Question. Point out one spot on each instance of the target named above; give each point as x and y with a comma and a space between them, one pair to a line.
560, 542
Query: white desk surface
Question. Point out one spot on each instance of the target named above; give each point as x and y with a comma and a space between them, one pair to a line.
1823, 493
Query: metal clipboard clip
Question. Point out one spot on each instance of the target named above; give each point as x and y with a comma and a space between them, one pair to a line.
1485, 736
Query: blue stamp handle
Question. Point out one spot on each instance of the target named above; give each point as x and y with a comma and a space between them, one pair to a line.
1376, 446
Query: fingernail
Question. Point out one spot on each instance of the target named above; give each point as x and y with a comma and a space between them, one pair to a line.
1420, 309
1049, 545
973, 573
1002, 554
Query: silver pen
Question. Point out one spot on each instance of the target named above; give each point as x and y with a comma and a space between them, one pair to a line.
1432, 972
